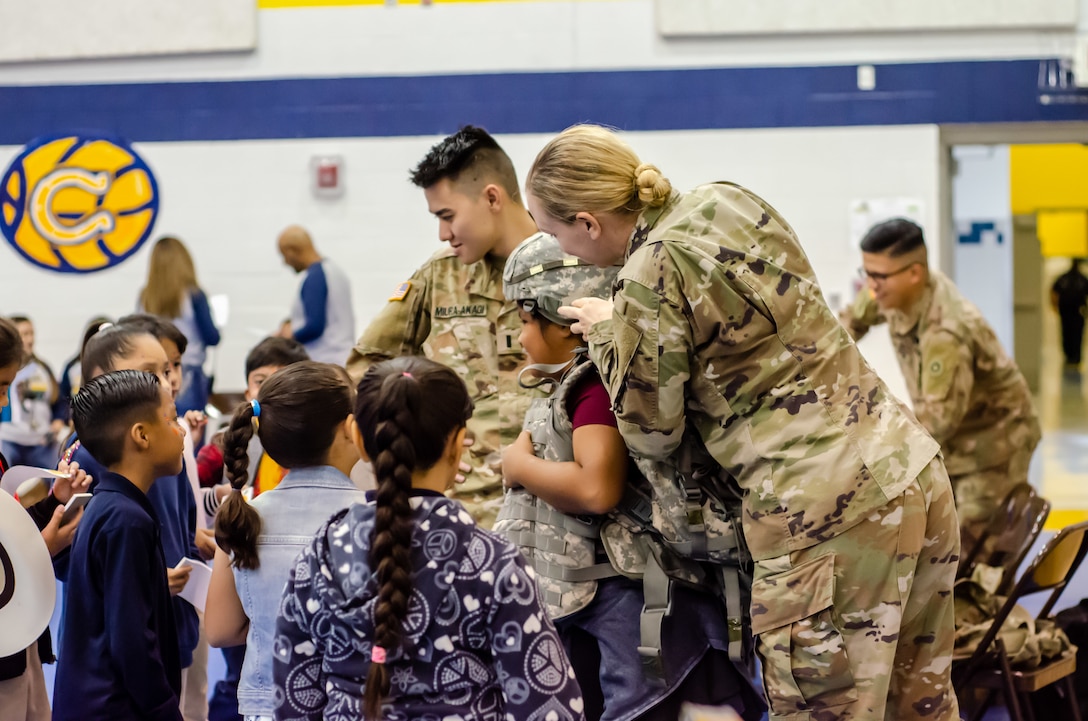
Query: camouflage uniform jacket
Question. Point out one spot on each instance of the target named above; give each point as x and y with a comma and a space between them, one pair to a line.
456, 314
719, 326
562, 548
966, 391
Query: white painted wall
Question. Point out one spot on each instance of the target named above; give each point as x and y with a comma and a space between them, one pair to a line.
228, 202
521, 36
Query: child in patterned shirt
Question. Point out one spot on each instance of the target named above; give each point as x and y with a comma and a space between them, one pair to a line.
402, 607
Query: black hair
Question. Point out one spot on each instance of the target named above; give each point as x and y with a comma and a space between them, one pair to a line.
406, 408
895, 237
301, 407
275, 351
96, 324
106, 407
161, 328
530, 306
470, 154
12, 351
108, 345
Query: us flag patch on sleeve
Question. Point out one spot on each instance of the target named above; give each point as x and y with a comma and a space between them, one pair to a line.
401, 291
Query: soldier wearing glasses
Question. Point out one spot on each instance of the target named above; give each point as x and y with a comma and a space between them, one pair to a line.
965, 389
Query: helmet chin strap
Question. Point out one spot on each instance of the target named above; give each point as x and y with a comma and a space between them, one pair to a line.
546, 371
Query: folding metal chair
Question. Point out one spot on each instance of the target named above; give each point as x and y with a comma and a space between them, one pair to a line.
1010, 535
988, 666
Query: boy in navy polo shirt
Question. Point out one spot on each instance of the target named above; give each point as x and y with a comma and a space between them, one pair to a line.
120, 657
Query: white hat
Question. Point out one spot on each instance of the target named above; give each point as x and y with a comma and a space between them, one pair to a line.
28, 590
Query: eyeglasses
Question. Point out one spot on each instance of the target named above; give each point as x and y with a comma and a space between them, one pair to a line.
881, 277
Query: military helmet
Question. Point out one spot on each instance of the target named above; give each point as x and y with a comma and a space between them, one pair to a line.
540, 277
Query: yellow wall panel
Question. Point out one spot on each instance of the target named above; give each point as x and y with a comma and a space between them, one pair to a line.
1063, 233
1048, 176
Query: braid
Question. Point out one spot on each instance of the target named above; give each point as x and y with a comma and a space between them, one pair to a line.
237, 524
403, 436
390, 548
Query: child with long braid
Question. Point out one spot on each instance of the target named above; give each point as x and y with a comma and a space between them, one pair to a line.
303, 418
402, 607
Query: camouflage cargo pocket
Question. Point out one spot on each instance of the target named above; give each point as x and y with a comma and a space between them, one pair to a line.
628, 338
626, 550
805, 665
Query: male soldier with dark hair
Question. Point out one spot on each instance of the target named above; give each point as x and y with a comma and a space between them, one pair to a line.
453, 310
966, 391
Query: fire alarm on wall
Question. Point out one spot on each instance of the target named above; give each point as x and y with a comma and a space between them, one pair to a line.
327, 172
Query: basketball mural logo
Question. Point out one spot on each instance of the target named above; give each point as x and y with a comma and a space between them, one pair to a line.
78, 203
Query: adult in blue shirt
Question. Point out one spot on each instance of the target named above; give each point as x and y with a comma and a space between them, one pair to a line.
322, 318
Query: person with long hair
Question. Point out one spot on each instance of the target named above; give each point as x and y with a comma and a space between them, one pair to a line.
302, 415
718, 344
173, 293
402, 607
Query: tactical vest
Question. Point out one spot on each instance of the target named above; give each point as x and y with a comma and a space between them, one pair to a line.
562, 548
676, 522
692, 534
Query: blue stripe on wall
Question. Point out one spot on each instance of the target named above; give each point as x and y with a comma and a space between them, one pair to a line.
943, 92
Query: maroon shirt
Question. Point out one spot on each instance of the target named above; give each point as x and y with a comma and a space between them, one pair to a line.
591, 404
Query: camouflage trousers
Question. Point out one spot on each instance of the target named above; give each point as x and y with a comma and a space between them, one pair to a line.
979, 494
480, 493
861, 626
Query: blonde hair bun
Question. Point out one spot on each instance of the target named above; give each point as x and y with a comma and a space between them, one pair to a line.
652, 187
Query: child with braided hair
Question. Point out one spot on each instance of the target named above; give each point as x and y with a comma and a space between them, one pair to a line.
402, 607
303, 417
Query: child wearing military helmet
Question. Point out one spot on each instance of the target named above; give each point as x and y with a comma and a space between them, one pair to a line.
565, 476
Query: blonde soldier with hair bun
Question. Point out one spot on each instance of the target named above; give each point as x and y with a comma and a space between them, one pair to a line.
718, 343
452, 309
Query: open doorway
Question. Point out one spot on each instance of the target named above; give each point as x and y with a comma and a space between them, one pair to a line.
1007, 252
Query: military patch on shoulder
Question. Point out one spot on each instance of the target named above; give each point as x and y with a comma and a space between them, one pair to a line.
401, 291
936, 367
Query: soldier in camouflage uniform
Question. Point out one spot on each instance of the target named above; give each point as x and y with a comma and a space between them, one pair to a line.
718, 336
452, 309
966, 391
566, 474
